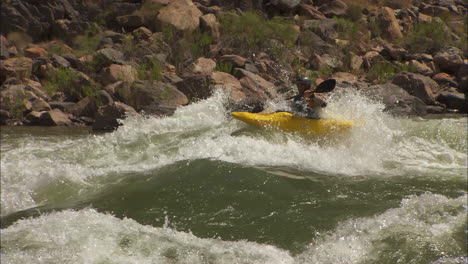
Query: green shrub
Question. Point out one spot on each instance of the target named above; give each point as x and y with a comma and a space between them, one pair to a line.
200, 42
224, 66
381, 71
89, 41
68, 81
250, 32
354, 12
149, 71
348, 29
428, 37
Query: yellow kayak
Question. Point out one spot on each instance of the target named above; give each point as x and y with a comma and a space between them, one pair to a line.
292, 123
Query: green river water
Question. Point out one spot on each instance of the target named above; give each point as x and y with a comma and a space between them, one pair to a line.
199, 187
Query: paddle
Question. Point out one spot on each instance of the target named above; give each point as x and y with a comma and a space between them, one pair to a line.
325, 86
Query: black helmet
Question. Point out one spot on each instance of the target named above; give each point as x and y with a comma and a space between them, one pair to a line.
304, 80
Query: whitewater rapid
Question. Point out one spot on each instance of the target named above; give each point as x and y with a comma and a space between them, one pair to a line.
426, 224
378, 145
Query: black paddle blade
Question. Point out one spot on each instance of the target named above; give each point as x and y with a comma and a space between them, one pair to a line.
326, 86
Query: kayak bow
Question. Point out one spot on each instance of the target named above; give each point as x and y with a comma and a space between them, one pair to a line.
291, 123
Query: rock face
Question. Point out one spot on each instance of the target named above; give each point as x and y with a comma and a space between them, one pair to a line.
107, 118
334, 8
389, 24
418, 85
210, 24
230, 85
181, 14
454, 100
397, 101
116, 72
449, 60
19, 68
34, 17
202, 66
152, 97
54, 117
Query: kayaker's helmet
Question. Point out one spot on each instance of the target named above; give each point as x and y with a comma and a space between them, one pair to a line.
303, 83
304, 80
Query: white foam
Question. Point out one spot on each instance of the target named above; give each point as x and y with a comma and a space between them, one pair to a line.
87, 236
380, 145
423, 229
420, 230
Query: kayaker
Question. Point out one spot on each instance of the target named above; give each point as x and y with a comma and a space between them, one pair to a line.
307, 103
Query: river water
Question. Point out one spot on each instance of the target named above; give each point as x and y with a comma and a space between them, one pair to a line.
200, 187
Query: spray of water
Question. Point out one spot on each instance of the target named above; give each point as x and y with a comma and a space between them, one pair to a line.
378, 145
424, 229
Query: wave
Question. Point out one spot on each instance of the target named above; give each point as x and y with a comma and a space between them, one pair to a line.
424, 229
381, 145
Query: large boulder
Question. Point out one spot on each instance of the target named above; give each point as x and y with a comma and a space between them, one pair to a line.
201, 66
334, 8
310, 12
117, 72
397, 101
235, 60
131, 22
85, 107
285, 5
389, 24
255, 85
35, 52
229, 83
418, 85
107, 118
152, 97
108, 56
327, 28
181, 14
449, 60
34, 18
209, 23
454, 100
20, 68
53, 117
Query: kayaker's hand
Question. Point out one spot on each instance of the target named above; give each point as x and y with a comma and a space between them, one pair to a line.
316, 100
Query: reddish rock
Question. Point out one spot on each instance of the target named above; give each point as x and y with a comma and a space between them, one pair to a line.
443, 78
35, 52
181, 14
389, 24
418, 85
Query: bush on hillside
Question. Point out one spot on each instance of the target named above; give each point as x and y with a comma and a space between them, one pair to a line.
428, 37
251, 32
68, 81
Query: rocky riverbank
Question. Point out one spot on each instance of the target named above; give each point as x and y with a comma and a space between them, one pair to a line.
77, 63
